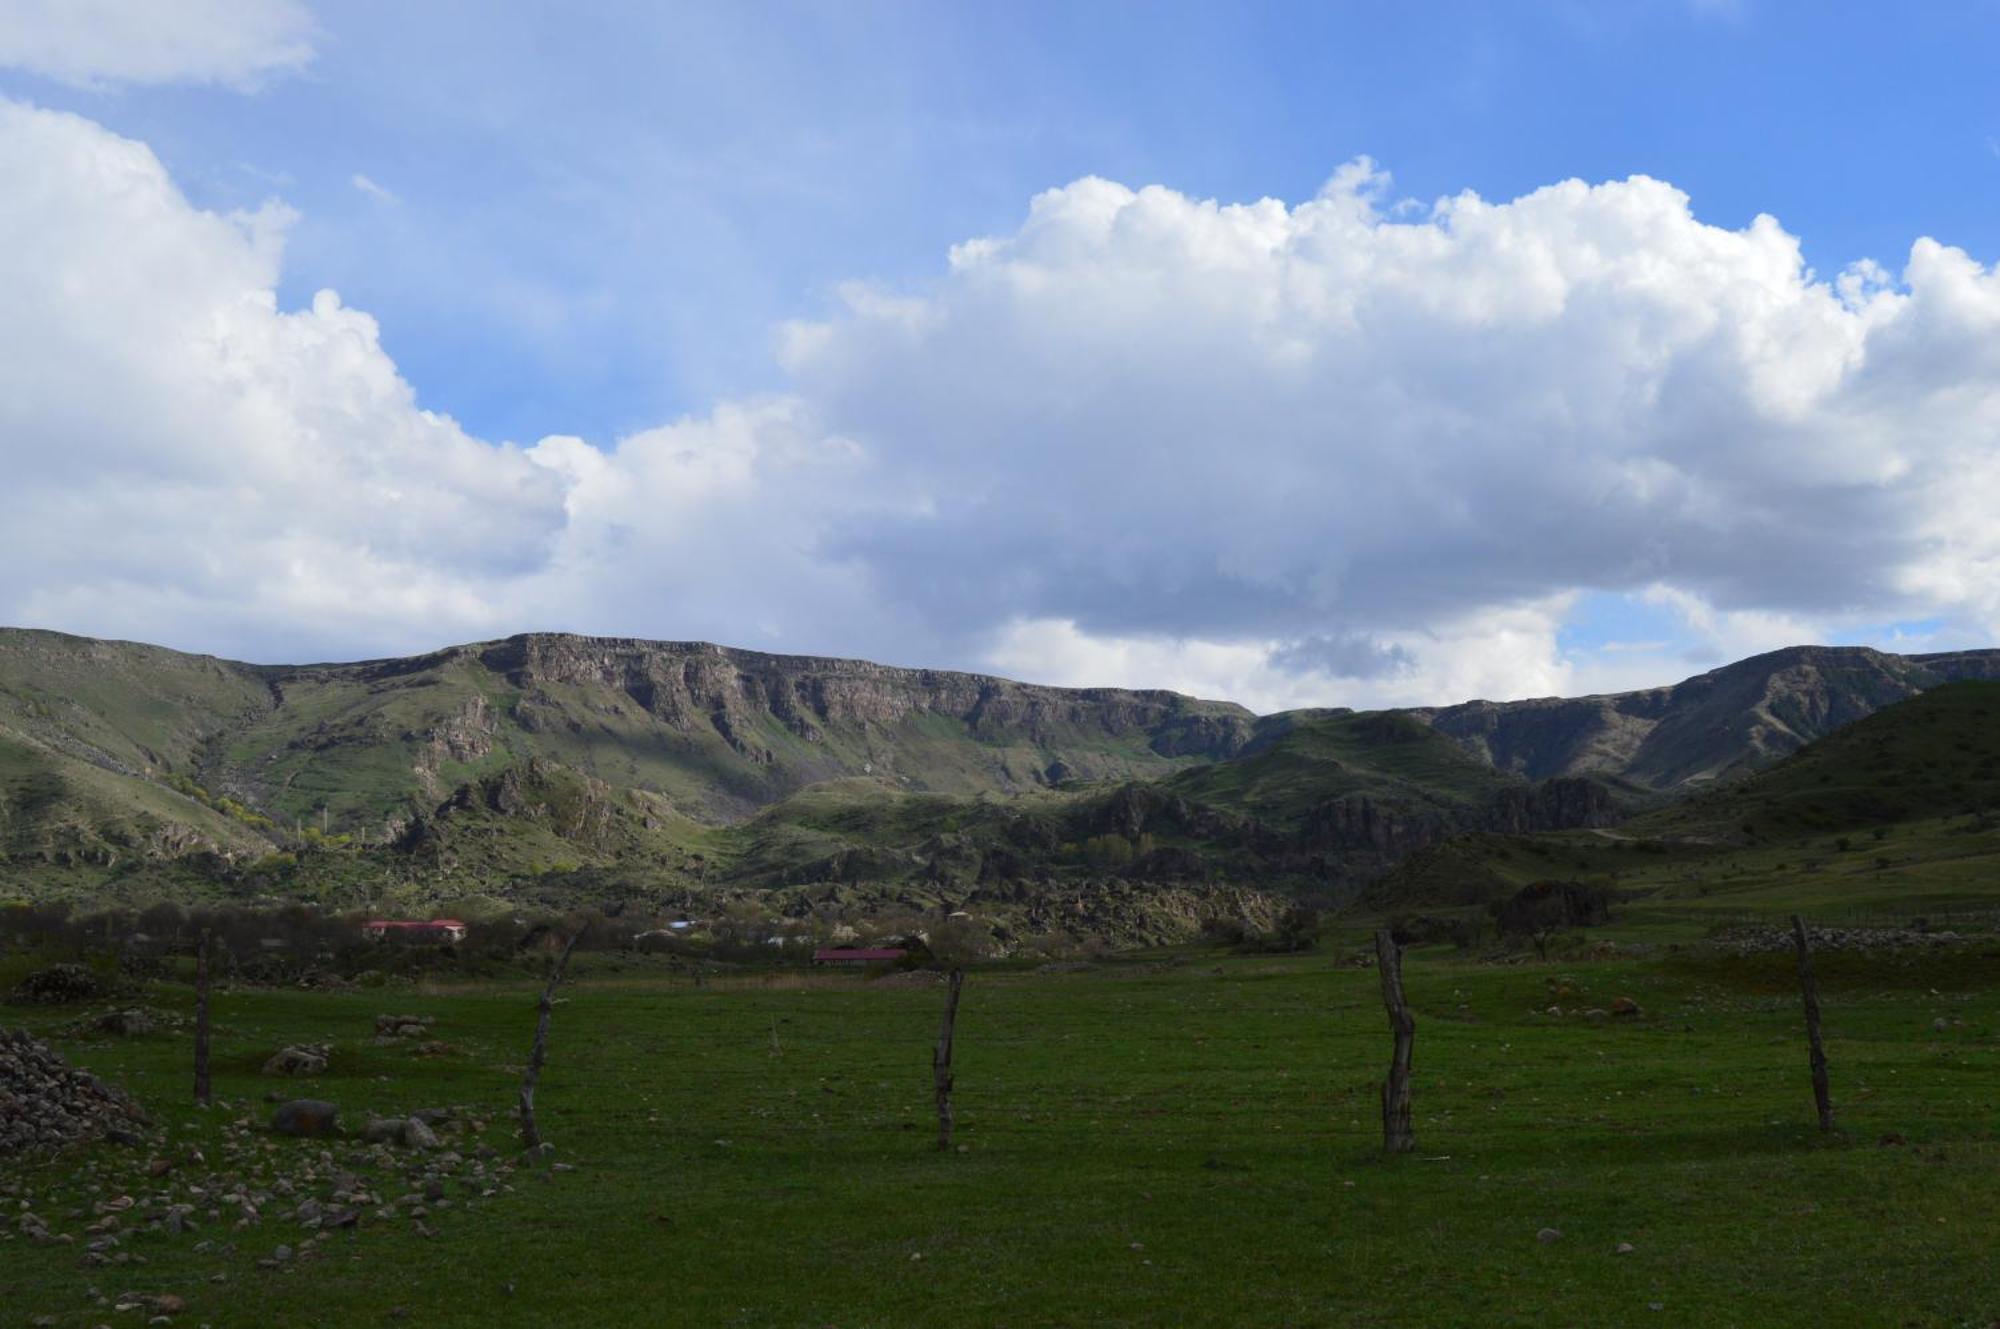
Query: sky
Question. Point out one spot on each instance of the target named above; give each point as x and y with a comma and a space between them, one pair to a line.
1299, 354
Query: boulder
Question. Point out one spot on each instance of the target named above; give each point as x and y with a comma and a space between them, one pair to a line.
403, 1026
124, 1024
301, 1060
384, 1130
308, 1118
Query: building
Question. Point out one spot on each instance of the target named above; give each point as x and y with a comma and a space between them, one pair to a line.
414, 929
858, 954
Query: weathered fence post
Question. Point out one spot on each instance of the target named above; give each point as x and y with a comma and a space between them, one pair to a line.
1398, 1134
531, 1138
202, 1094
941, 1059
1822, 1098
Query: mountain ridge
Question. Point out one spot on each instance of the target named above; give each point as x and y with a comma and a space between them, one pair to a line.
689, 762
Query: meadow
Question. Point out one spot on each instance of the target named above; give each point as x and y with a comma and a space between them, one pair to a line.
1181, 1138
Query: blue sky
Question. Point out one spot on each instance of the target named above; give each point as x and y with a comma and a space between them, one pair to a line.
602, 211
601, 221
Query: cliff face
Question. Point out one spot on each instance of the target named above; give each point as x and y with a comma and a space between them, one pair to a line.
717, 733
1724, 722
688, 685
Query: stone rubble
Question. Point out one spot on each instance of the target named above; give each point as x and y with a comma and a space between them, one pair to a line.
46, 1104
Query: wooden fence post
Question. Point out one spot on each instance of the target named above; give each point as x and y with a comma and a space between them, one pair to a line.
941, 1059
1398, 1134
531, 1138
1822, 1097
202, 1095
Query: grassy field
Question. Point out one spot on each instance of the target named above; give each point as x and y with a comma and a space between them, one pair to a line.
1186, 1140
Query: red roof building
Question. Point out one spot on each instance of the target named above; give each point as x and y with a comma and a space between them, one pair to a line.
414, 929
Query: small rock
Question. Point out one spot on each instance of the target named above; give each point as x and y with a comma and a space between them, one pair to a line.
1548, 1234
1626, 1248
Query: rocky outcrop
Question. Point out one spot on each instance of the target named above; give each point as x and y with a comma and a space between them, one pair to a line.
1563, 804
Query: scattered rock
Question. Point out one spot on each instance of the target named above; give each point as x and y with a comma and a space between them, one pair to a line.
1764, 940
1548, 1234
1626, 1248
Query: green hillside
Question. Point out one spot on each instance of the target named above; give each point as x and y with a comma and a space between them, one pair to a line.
1304, 760
1893, 818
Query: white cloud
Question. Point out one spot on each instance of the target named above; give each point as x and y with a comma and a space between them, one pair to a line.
98, 43
1508, 652
1311, 454
373, 190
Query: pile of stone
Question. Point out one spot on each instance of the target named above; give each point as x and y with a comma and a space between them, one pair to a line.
47, 1104
57, 985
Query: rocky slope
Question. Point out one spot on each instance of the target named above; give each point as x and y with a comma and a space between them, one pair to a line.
1728, 721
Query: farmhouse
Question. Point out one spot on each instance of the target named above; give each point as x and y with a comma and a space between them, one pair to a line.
858, 955
414, 929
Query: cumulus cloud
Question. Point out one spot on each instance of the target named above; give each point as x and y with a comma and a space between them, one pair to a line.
187, 460
1148, 415
99, 43
1332, 453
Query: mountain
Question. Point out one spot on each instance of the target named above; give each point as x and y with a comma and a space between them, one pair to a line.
1722, 723
1892, 817
500, 767
715, 732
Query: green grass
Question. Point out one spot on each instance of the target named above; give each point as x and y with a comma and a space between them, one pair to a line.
1188, 1141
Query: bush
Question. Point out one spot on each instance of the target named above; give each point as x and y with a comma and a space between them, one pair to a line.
1297, 930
